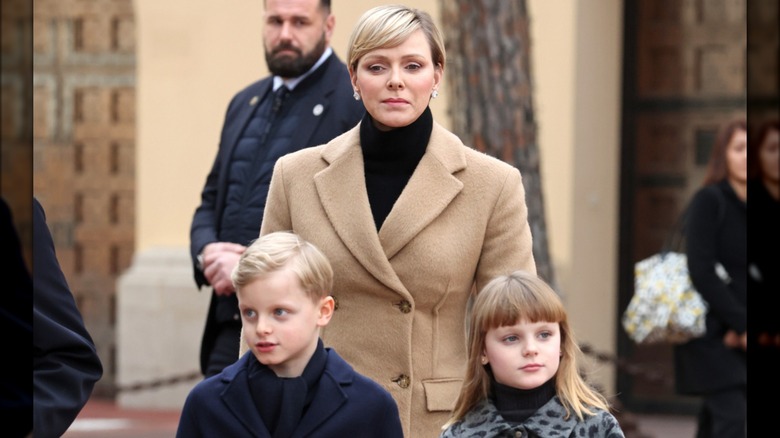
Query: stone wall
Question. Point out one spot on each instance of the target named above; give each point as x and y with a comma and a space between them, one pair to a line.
84, 151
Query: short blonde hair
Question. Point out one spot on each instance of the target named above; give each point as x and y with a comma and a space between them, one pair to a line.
389, 26
285, 250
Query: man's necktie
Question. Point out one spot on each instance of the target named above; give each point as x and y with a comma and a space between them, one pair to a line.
279, 95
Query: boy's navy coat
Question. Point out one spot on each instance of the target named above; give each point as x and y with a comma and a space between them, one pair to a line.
346, 404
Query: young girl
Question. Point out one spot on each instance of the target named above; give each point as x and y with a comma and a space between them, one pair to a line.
522, 377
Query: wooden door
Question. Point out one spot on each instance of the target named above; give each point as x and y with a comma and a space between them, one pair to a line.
684, 76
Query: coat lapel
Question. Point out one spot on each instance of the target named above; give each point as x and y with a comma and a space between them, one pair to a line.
231, 139
247, 112
315, 103
330, 397
341, 188
430, 190
312, 107
239, 401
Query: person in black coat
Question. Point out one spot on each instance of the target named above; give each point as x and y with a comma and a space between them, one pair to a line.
763, 240
288, 384
306, 101
763, 266
715, 366
65, 363
16, 392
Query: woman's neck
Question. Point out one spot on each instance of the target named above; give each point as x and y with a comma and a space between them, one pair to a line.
740, 188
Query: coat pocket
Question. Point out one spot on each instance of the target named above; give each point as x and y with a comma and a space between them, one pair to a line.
440, 394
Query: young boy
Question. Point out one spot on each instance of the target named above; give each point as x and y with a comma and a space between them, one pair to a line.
288, 384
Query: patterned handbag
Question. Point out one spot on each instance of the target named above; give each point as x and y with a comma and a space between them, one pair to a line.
665, 306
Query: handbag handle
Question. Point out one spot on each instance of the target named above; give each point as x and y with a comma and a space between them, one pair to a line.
675, 241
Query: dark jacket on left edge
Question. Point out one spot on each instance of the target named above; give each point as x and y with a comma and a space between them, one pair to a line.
65, 363
345, 404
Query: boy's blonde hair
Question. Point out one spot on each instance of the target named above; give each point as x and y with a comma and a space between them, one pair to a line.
505, 301
285, 250
389, 26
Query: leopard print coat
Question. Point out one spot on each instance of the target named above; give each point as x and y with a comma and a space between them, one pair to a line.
484, 421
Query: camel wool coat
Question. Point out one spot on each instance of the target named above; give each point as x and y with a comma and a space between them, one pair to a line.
402, 293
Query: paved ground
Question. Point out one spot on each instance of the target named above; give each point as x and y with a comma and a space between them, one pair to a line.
102, 418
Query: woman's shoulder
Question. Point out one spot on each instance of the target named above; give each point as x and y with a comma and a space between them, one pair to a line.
707, 197
450, 150
483, 160
708, 191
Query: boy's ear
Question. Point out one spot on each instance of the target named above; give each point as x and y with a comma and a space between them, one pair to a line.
327, 306
243, 346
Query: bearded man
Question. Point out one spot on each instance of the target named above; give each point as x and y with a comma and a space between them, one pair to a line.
306, 101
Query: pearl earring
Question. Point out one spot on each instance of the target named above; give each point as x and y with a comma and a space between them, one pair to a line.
356, 95
484, 361
435, 94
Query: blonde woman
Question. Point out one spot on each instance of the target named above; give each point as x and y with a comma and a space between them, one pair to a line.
413, 221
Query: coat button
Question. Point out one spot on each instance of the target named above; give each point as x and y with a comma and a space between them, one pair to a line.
403, 381
518, 434
404, 306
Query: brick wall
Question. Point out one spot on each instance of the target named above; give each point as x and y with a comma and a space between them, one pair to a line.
84, 147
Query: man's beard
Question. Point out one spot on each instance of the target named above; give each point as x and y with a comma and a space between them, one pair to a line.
288, 67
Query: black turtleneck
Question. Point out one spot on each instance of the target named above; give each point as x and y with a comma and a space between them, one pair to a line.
389, 159
517, 405
283, 401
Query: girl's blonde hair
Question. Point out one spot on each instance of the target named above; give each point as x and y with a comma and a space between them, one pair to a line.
505, 301
285, 250
389, 26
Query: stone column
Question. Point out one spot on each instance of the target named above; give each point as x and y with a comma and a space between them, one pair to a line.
160, 320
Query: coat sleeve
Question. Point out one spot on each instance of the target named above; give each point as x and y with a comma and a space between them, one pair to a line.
391, 422
203, 229
65, 364
188, 425
702, 251
204, 224
508, 244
